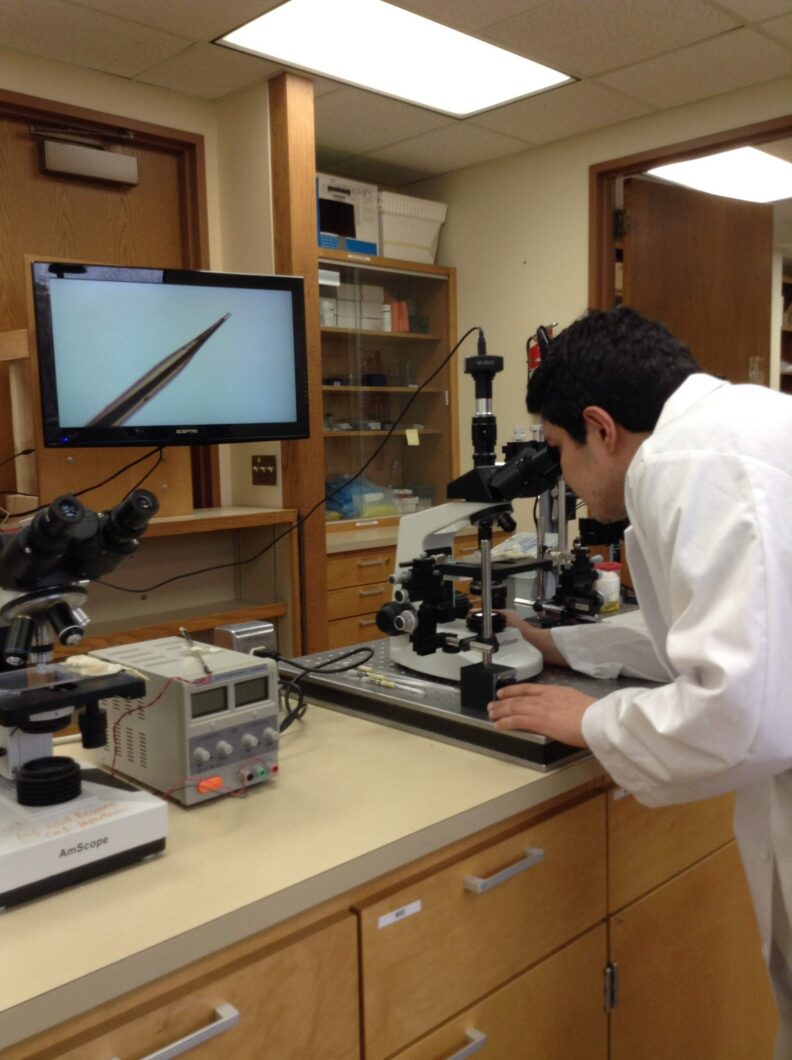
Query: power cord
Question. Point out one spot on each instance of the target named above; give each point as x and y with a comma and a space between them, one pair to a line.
288, 688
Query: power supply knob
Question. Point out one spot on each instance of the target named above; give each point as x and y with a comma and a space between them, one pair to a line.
201, 755
224, 749
249, 741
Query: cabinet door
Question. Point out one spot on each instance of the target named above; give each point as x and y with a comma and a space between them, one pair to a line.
296, 1002
646, 847
691, 981
434, 947
555, 1011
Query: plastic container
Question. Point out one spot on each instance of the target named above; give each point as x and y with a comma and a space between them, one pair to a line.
609, 586
409, 228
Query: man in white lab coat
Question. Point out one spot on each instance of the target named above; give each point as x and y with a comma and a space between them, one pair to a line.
703, 471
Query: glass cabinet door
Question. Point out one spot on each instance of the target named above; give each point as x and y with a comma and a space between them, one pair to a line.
389, 402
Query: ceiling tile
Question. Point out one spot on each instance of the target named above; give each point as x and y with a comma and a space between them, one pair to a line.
452, 147
383, 174
197, 19
779, 148
583, 39
780, 28
357, 121
58, 30
731, 61
208, 71
756, 10
328, 159
564, 111
469, 15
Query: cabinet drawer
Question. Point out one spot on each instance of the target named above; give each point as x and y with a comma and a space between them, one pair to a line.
355, 630
434, 947
359, 568
647, 846
357, 600
552, 1012
300, 1000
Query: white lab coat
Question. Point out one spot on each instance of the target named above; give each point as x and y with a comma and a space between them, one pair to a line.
709, 497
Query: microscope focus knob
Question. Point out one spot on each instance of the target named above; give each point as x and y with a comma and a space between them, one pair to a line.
396, 618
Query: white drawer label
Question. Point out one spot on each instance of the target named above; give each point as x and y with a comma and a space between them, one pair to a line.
399, 914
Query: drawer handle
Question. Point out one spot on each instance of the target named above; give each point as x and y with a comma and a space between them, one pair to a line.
226, 1017
475, 1040
368, 622
371, 592
371, 562
482, 884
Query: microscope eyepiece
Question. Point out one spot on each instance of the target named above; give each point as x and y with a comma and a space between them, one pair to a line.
132, 514
57, 520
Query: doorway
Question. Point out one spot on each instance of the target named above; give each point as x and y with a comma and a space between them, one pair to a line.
761, 350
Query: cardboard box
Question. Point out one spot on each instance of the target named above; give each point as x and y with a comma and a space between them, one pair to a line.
409, 227
347, 214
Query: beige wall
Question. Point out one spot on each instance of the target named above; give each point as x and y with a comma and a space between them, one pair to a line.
517, 230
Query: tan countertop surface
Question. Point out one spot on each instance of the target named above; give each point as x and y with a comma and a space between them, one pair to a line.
353, 800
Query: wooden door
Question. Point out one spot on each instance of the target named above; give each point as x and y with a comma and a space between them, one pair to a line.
692, 982
702, 265
158, 223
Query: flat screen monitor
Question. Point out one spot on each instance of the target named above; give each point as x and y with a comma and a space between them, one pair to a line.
133, 356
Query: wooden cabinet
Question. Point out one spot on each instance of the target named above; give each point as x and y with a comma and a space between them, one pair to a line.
504, 942
241, 564
647, 847
684, 946
295, 1000
552, 1012
389, 393
431, 949
357, 587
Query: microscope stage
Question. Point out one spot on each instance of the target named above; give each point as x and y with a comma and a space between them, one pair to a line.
45, 848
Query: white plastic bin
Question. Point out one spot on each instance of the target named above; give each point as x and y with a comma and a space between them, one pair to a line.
409, 227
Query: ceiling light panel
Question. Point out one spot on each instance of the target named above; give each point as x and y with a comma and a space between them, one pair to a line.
374, 45
744, 173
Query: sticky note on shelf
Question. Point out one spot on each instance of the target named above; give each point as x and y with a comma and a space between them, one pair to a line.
412, 436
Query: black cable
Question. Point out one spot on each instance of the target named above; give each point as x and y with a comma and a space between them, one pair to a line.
329, 666
22, 452
150, 471
303, 519
97, 485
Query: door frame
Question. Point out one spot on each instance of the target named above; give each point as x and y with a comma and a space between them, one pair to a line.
603, 176
189, 148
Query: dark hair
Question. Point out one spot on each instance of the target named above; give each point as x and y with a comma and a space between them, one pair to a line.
619, 360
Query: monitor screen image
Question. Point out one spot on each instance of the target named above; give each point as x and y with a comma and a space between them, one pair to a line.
132, 356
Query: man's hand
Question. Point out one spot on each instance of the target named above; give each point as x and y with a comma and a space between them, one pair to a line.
552, 710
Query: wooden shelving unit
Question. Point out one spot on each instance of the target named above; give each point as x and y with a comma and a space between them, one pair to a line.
239, 563
401, 361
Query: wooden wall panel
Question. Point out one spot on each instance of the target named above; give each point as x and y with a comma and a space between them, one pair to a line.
160, 222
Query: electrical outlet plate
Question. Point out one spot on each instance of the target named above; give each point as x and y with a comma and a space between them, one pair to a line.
264, 470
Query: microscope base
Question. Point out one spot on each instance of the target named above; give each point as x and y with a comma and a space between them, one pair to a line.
45, 848
513, 652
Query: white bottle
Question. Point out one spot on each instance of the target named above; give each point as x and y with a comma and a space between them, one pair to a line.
609, 586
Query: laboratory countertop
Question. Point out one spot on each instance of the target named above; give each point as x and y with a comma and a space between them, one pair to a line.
353, 800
